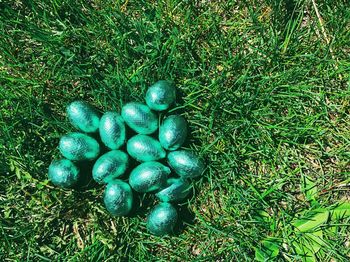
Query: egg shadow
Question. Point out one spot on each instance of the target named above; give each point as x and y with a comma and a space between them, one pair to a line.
85, 181
142, 203
185, 217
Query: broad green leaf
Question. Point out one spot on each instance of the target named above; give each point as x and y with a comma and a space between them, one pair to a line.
309, 188
305, 253
259, 255
314, 241
341, 211
272, 246
269, 249
308, 244
311, 222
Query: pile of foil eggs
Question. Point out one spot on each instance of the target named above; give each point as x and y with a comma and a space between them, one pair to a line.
102, 137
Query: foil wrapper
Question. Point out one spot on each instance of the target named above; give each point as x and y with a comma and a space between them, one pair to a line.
112, 130
149, 176
161, 95
177, 189
145, 148
118, 198
162, 219
173, 132
83, 116
63, 173
140, 118
78, 146
186, 164
110, 166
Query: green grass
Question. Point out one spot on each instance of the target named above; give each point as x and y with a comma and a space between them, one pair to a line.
266, 96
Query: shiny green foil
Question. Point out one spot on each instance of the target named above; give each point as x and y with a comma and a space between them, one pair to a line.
118, 198
177, 189
83, 116
78, 146
112, 130
110, 166
149, 176
145, 148
140, 118
162, 219
173, 132
161, 95
185, 163
63, 173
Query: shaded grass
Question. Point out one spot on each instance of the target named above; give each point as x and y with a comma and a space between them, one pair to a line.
266, 100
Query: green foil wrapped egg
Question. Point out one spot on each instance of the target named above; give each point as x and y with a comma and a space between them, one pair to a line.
112, 130
161, 95
162, 219
63, 173
118, 198
78, 146
145, 148
185, 163
83, 116
173, 132
149, 176
110, 166
140, 118
177, 189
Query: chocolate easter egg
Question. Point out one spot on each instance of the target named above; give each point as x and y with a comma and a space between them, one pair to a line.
177, 189
149, 176
140, 118
78, 146
173, 132
112, 130
185, 163
162, 219
83, 116
160, 95
110, 166
145, 148
63, 173
118, 198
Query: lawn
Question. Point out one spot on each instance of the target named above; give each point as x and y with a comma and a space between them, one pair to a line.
264, 85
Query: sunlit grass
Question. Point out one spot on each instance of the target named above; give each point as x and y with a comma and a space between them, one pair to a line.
265, 95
